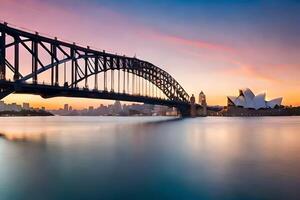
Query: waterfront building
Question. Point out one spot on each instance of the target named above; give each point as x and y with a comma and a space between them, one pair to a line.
159, 110
13, 107
247, 99
171, 112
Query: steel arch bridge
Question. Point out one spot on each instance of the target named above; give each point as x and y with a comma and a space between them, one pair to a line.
67, 66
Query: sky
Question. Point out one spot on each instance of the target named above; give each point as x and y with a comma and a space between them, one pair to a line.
214, 46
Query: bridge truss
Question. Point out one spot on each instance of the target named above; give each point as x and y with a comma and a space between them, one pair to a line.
59, 68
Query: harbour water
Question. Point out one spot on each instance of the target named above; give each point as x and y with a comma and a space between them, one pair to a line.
149, 158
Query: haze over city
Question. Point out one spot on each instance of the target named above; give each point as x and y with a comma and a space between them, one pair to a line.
217, 47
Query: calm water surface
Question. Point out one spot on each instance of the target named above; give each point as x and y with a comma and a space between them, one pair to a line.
149, 158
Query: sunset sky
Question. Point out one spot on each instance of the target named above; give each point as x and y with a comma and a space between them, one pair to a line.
214, 46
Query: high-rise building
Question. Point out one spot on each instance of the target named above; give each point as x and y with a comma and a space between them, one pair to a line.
91, 108
117, 107
66, 107
2, 106
26, 106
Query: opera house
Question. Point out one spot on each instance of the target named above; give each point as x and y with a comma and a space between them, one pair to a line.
247, 99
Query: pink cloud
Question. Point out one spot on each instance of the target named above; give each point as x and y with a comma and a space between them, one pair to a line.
178, 40
265, 72
250, 71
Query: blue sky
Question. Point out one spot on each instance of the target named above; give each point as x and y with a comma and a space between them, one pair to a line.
220, 45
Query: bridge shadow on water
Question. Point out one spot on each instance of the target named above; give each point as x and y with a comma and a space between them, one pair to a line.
132, 127
164, 121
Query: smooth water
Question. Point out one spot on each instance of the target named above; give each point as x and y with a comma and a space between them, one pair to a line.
149, 158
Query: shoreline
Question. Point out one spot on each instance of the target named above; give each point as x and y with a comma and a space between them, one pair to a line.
25, 113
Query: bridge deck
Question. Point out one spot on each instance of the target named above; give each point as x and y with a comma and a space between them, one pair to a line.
48, 91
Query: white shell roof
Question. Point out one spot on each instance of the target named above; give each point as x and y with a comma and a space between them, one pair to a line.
274, 102
240, 101
248, 93
232, 98
259, 101
247, 99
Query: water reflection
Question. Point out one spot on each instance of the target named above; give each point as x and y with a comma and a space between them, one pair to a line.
32, 138
149, 157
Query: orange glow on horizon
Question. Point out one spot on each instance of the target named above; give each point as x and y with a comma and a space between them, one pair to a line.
81, 103
217, 66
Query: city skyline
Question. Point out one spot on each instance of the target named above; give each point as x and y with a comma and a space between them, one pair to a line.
115, 109
257, 50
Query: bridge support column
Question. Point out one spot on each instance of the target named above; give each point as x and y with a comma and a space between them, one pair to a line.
184, 112
189, 110
96, 72
16, 75
34, 61
73, 67
104, 76
86, 70
192, 111
2, 56
54, 69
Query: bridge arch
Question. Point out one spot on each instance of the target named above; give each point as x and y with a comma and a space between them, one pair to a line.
94, 62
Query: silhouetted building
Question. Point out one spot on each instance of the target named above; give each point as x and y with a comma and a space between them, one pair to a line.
2, 106
14, 107
117, 107
66, 107
26, 106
